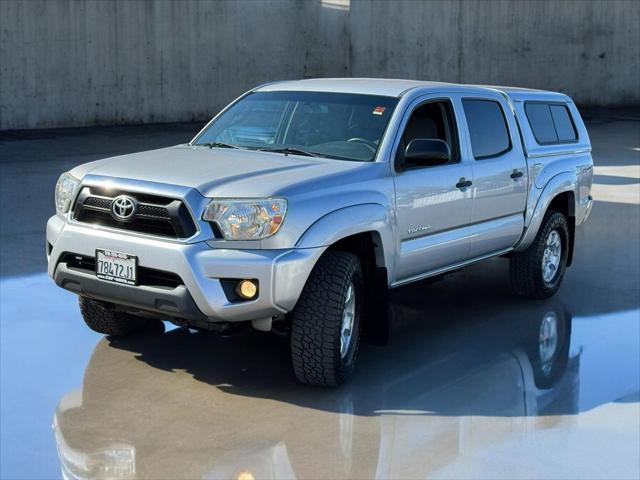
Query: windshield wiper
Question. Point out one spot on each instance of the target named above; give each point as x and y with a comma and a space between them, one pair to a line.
217, 145
290, 150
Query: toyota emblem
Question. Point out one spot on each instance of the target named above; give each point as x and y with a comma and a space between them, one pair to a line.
123, 208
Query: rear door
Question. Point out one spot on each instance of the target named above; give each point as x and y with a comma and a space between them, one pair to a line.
499, 174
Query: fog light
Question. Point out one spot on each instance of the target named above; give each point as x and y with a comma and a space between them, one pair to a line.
247, 289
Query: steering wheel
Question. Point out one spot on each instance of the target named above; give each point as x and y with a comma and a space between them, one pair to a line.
365, 142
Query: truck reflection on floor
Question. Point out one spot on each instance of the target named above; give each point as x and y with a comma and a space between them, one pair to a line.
140, 414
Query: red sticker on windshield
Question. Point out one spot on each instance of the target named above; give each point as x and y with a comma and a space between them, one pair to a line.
379, 110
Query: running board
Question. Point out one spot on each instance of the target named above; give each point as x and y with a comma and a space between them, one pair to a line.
455, 266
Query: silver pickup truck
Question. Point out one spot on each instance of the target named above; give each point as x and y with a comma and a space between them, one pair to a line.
301, 203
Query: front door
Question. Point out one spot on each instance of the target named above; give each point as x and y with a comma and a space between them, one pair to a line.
433, 204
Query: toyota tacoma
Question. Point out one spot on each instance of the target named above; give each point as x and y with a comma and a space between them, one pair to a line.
301, 203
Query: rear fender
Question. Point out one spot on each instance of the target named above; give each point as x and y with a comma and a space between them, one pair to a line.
563, 182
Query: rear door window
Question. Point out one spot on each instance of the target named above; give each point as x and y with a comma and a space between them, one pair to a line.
550, 122
487, 128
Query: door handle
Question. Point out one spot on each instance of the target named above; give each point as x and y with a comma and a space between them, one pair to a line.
463, 183
516, 174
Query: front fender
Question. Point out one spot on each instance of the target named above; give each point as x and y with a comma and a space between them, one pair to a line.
344, 222
563, 182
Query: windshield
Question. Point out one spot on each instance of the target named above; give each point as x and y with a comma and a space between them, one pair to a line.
332, 125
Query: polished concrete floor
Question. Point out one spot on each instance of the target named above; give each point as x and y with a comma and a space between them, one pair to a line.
473, 383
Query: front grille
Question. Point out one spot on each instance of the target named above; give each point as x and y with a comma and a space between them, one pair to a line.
153, 211
146, 276
98, 202
155, 215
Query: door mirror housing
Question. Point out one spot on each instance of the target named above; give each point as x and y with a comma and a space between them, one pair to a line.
426, 152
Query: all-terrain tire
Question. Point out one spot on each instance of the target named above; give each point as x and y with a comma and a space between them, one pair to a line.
526, 270
316, 323
102, 319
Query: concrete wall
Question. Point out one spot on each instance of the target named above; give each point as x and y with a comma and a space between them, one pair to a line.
87, 62
70, 62
588, 49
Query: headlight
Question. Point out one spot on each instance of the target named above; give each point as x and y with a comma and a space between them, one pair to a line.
247, 219
65, 190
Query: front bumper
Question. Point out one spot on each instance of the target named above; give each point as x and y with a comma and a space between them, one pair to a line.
281, 274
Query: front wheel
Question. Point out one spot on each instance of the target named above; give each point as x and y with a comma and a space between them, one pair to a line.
538, 271
325, 327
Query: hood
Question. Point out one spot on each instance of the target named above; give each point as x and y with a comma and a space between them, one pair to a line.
218, 172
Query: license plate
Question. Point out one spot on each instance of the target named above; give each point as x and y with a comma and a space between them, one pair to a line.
116, 267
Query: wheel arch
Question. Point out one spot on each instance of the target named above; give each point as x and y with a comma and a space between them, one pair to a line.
558, 194
363, 229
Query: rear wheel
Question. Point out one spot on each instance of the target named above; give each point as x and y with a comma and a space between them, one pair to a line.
538, 271
325, 327
107, 321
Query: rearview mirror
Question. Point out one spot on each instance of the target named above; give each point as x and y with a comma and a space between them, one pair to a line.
425, 152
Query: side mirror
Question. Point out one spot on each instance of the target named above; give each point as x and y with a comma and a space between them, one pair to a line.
426, 152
